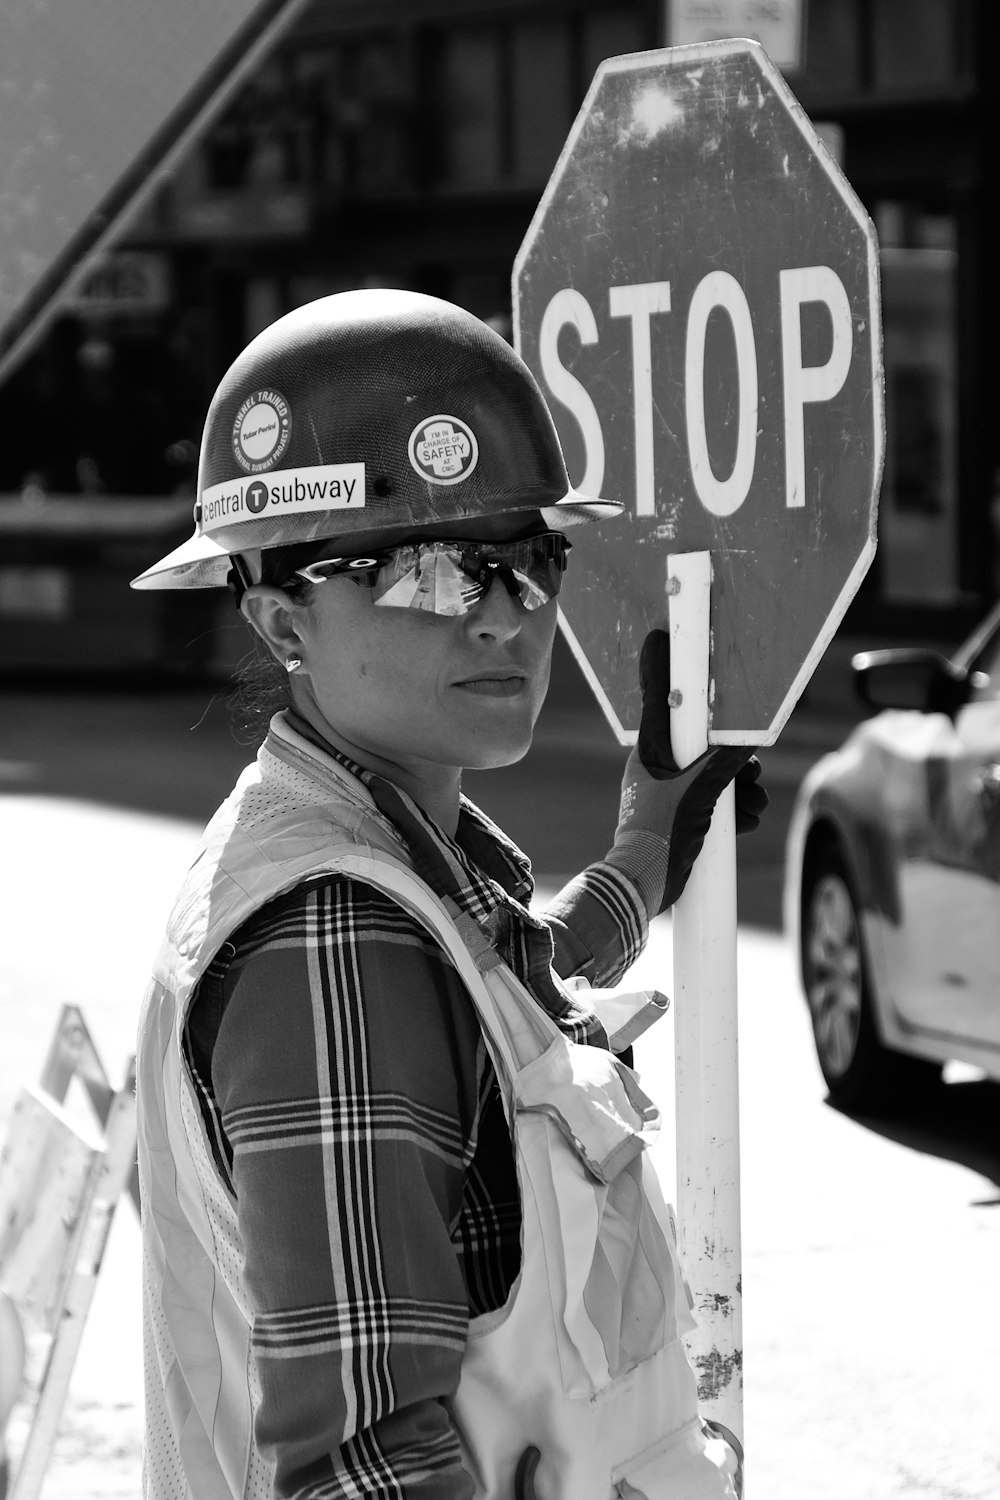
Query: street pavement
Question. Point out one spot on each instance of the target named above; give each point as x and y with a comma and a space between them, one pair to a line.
871, 1318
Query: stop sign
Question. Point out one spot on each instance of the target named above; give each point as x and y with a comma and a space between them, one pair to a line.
697, 296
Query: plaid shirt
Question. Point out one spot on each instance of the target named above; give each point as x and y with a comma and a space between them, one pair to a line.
333, 1043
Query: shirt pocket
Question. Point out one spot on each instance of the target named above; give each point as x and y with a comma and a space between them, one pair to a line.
583, 1125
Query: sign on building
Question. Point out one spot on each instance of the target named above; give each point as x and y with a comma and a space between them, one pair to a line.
776, 24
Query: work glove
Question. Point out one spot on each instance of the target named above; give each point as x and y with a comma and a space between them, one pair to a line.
665, 812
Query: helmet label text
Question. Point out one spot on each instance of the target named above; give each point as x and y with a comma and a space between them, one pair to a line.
283, 492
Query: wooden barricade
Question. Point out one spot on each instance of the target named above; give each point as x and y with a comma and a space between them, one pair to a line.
60, 1182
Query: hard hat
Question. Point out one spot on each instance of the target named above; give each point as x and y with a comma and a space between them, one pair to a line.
363, 411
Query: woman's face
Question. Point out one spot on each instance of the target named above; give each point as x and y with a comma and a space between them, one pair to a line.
407, 686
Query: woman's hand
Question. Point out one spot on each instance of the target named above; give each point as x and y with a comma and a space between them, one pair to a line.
665, 811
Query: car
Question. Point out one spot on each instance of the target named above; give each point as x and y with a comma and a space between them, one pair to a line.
892, 876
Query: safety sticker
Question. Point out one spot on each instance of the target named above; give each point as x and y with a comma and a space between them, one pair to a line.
261, 431
443, 449
283, 492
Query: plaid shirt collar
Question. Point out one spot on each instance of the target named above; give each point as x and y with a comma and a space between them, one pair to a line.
483, 872
481, 869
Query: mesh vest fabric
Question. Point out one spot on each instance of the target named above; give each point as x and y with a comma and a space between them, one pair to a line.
608, 1396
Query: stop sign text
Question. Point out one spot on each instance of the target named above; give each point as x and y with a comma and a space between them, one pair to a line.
720, 292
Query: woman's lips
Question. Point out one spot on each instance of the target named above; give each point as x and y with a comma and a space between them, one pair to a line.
507, 686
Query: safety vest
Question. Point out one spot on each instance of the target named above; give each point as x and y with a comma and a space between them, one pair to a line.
579, 1387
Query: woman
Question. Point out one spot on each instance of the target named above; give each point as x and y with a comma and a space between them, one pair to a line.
352, 1285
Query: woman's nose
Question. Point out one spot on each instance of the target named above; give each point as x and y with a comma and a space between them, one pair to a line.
499, 614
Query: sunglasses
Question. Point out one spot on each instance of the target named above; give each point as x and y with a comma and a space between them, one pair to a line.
451, 577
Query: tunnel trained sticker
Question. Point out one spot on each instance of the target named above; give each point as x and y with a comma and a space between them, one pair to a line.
443, 449
261, 431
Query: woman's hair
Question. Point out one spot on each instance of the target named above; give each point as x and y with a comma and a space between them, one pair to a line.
261, 686
260, 690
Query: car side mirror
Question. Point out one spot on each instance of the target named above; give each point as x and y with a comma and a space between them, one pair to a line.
910, 677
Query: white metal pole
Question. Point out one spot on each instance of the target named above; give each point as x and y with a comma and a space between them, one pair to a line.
705, 1027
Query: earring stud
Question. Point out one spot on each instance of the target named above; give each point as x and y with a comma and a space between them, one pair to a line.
293, 664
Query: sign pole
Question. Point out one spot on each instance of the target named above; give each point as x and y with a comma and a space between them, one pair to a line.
705, 1027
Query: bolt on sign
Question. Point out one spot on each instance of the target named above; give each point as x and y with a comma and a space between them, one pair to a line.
698, 298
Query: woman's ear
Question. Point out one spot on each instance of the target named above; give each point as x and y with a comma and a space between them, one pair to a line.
275, 618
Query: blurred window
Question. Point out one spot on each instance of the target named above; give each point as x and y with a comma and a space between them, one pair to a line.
887, 46
255, 142
471, 99
611, 32
916, 44
337, 116
542, 96
918, 509
384, 116
834, 44
506, 88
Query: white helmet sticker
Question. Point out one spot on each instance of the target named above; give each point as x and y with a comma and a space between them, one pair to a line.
282, 493
443, 449
261, 431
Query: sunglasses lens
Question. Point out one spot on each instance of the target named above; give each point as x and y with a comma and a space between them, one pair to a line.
537, 566
429, 576
450, 578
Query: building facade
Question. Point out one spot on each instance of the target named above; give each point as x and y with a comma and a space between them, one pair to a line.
407, 142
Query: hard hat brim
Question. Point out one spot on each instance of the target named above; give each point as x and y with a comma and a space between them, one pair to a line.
198, 563
202, 563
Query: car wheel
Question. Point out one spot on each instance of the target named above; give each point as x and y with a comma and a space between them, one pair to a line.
859, 1070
